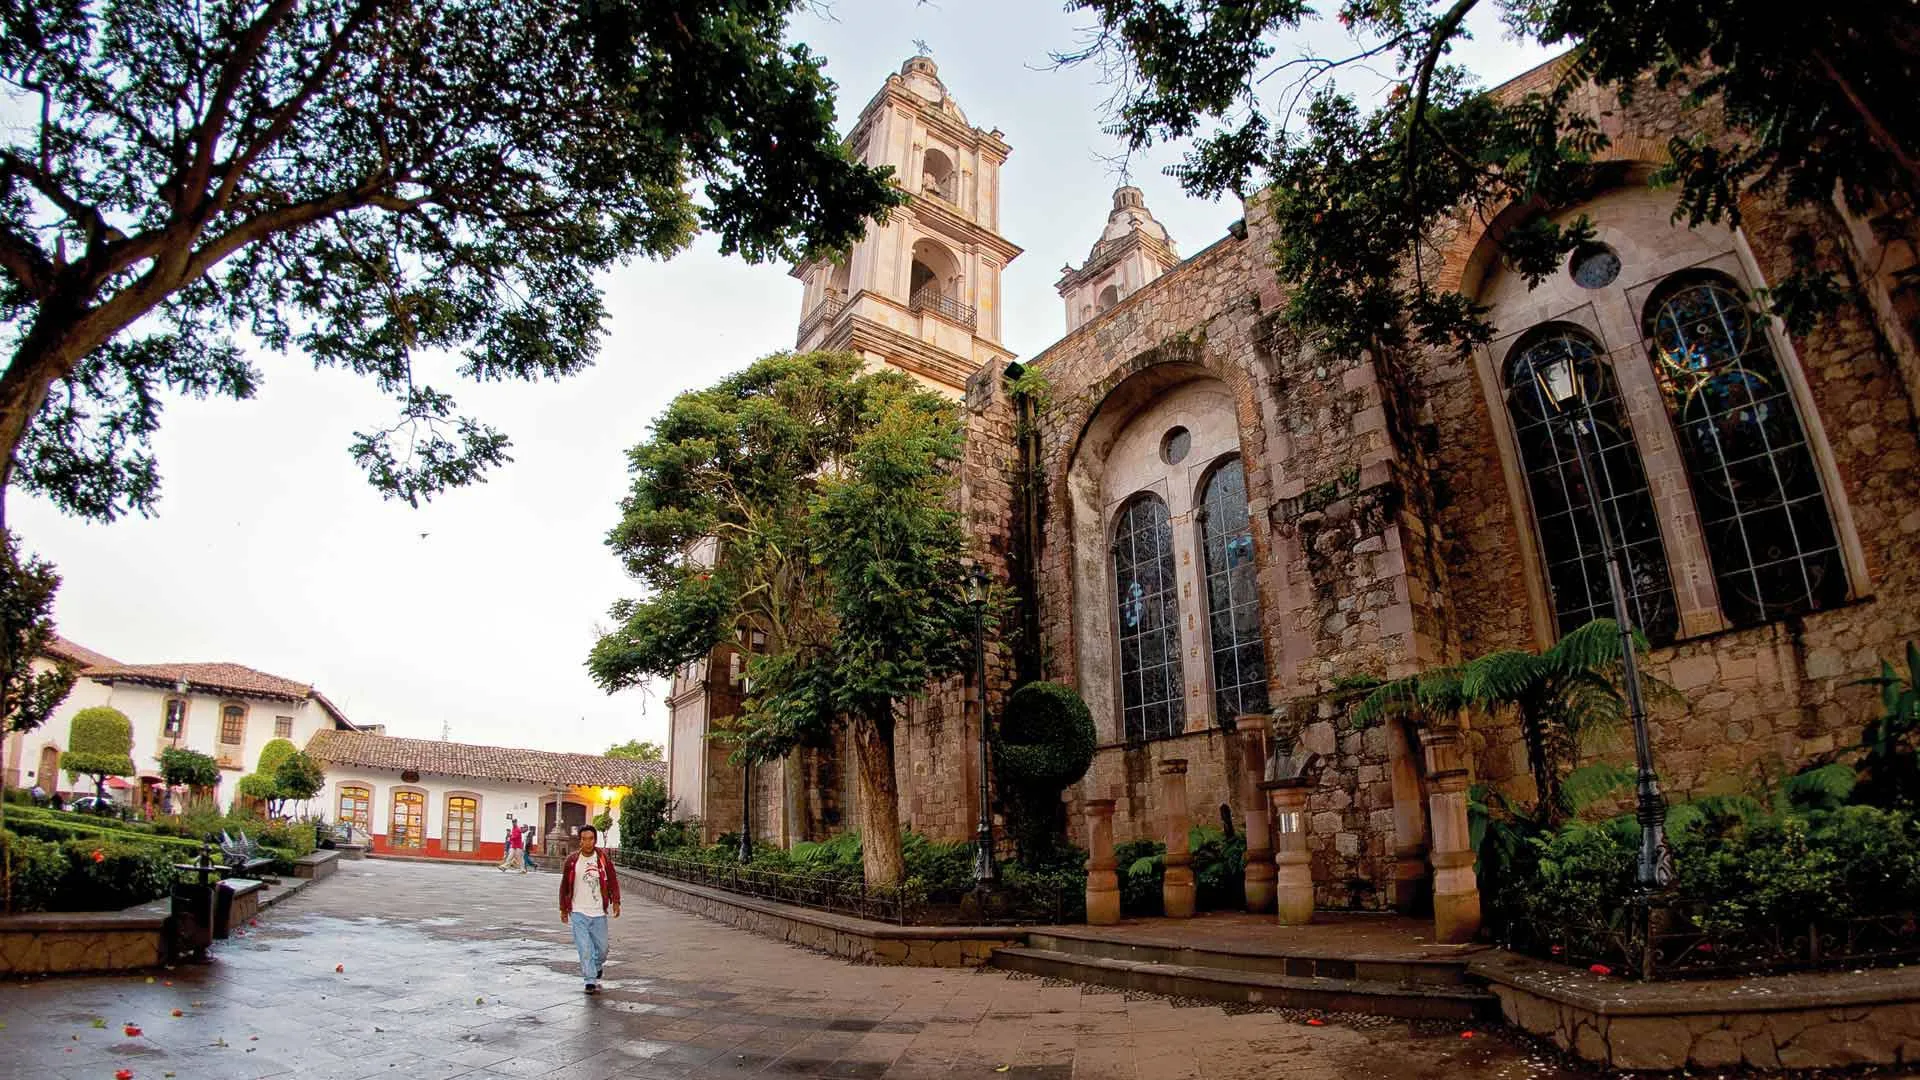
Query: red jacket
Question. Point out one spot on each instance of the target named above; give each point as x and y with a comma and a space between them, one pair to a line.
609, 882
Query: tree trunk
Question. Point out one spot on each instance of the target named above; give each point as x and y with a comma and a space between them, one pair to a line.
879, 800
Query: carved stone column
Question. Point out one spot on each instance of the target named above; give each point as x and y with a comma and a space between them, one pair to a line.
1456, 891
1293, 867
1412, 889
1176, 889
1259, 862
1103, 880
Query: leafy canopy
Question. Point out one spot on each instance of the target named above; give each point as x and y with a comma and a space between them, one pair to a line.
369, 182
181, 767
28, 698
637, 751
1815, 97
298, 777
801, 510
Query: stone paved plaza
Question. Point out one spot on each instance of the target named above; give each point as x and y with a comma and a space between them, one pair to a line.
460, 971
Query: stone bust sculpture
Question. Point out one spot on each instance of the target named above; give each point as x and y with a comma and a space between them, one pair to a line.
1287, 759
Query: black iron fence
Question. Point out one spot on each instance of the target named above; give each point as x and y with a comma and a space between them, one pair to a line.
930, 298
910, 904
828, 309
1671, 939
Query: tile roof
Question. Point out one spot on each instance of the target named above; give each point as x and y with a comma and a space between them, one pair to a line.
543, 767
235, 679
73, 652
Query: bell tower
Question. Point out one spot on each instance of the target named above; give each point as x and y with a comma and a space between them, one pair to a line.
1132, 250
921, 292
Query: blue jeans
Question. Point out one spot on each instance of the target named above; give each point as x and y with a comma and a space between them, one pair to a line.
526, 857
590, 940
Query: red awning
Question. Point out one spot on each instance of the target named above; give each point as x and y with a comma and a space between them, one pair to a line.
117, 784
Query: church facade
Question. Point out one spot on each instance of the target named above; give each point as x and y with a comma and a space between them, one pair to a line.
1204, 519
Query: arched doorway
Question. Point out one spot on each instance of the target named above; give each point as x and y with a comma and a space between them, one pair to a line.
48, 775
560, 818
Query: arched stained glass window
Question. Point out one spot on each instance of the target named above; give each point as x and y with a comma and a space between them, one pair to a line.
1570, 544
1152, 692
1762, 510
1233, 598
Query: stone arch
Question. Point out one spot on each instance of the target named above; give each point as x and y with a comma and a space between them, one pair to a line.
1636, 222
934, 268
936, 173
1174, 385
1109, 296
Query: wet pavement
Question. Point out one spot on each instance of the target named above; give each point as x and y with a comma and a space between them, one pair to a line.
460, 971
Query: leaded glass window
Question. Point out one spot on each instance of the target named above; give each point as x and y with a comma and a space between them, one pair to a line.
1762, 510
1233, 599
1570, 543
1152, 691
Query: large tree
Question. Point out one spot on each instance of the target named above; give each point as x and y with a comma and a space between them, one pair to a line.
804, 509
1816, 99
636, 750
368, 181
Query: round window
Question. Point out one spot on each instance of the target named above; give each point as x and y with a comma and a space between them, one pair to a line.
1174, 446
1594, 266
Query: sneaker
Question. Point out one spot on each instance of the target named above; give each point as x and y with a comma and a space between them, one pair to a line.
593, 988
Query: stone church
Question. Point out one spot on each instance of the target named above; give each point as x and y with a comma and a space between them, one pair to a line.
1204, 520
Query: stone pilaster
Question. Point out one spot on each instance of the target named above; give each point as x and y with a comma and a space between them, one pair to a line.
1456, 891
1103, 879
1177, 888
1259, 874
1293, 867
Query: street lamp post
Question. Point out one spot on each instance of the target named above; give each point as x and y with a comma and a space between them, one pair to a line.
1563, 389
985, 873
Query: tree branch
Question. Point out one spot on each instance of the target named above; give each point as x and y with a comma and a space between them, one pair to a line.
1443, 31
27, 263
86, 215
206, 134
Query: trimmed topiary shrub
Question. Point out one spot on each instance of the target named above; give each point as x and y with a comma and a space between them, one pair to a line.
1044, 746
35, 868
101, 742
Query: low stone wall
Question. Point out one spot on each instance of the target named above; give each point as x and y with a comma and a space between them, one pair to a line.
837, 935
1798, 1021
61, 943
316, 864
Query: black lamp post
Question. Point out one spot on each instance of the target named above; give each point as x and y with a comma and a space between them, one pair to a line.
985, 873
1564, 390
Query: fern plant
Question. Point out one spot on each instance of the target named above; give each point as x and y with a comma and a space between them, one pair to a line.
1890, 760
1563, 697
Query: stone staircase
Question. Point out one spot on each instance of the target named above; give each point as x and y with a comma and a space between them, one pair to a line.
1432, 987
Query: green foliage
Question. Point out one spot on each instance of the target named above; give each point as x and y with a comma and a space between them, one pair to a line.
602, 821
1044, 745
1890, 743
100, 744
1218, 865
643, 815
272, 754
1142, 865
819, 494
637, 751
1563, 696
35, 867
299, 777
1815, 97
258, 786
27, 591
180, 766
274, 172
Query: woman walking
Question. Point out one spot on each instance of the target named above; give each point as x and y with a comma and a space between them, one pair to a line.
513, 860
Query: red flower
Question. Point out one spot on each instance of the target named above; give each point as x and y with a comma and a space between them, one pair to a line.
132, 1032
1601, 969
123, 1074
177, 1012
99, 856
1316, 1022
1706, 946
1466, 1034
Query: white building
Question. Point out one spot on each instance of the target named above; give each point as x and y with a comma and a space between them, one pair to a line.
226, 711
452, 800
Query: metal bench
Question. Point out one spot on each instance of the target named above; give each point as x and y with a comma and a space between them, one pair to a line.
245, 855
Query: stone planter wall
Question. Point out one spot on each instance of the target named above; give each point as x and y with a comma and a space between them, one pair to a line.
65, 943
1801, 1021
836, 935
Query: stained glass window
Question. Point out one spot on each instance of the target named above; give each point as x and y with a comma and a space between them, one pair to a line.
1233, 599
463, 823
1152, 691
1762, 510
1570, 543
409, 826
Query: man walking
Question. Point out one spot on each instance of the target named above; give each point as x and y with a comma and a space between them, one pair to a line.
589, 892
512, 860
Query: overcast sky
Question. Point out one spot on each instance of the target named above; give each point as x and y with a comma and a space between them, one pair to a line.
476, 612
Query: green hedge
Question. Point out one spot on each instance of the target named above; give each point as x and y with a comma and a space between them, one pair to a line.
59, 827
86, 874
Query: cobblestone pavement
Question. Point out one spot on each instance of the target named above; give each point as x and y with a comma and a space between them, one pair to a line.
459, 971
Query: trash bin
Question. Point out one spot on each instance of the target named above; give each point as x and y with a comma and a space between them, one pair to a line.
193, 900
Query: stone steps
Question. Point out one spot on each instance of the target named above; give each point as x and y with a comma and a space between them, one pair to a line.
1414, 987
1423, 1001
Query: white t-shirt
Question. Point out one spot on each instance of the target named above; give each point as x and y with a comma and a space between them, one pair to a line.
586, 885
